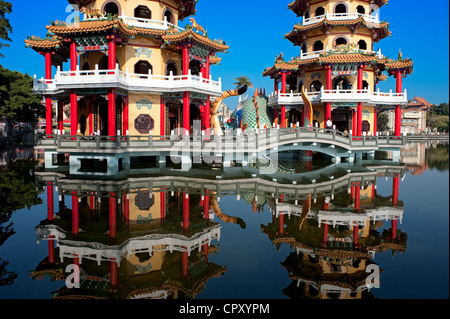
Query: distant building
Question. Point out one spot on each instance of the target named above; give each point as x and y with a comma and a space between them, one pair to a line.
414, 116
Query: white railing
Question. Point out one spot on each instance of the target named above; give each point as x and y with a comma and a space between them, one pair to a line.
148, 24
124, 79
311, 55
341, 96
341, 17
292, 98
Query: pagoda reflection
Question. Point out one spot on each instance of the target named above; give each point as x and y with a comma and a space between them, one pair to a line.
335, 239
130, 243
150, 235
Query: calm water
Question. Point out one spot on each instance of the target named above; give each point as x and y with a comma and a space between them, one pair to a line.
247, 237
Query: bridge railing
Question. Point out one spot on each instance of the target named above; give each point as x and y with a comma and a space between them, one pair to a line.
284, 136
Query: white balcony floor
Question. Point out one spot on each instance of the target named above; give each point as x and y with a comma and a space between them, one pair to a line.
143, 83
340, 96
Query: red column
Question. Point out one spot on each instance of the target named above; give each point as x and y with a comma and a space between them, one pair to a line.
206, 207
60, 116
112, 54
185, 211
283, 90
359, 111
398, 112
185, 263
112, 216
394, 224
207, 109
73, 113
73, 56
325, 234
329, 87
112, 112
50, 210
357, 197
75, 214
126, 115
126, 207
91, 116
163, 206
162, 131
114, 271
281, 230
48, 100
395, 188
51, 251
187, 112
375, 123
112, 91
186, 95
186, 59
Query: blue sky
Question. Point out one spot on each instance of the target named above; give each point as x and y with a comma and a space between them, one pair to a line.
255, 31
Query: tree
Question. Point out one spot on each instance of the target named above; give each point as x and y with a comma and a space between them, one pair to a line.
18, 103
243, 80
383, 121
5, 26
441, 109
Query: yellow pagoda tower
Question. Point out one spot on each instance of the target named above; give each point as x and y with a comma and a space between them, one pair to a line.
133, 69
338, 67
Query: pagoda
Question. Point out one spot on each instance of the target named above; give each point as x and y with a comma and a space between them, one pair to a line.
338, 68
133, 69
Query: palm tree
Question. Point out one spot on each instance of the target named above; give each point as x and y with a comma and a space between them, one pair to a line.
243, 80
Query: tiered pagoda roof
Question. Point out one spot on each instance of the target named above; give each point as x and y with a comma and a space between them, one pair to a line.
344, 54
300, 6
59, 31
173, 36
379, 30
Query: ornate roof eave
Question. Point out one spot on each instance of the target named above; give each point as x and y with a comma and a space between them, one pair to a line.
190, 36
379, 31
92, 27
49, 44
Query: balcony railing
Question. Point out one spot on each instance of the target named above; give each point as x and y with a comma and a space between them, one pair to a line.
125, 80
341, 16
149, 24
341, 96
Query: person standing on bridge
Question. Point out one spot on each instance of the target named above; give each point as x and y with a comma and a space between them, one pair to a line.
329, 124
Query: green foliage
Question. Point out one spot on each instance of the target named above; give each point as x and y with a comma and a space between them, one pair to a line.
438, 118
383, 121
437, 157
17, 187
5, 26
438, 122
441, 109
243, 80
17, 100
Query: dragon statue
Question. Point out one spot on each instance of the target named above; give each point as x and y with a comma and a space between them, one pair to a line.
215, 123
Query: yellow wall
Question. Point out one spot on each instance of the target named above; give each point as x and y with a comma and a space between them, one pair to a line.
156, 7
136, 267
134, 112
330, 5
329, 39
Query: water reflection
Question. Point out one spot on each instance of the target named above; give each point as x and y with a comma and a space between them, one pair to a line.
335, 240
150, 237
152, 234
